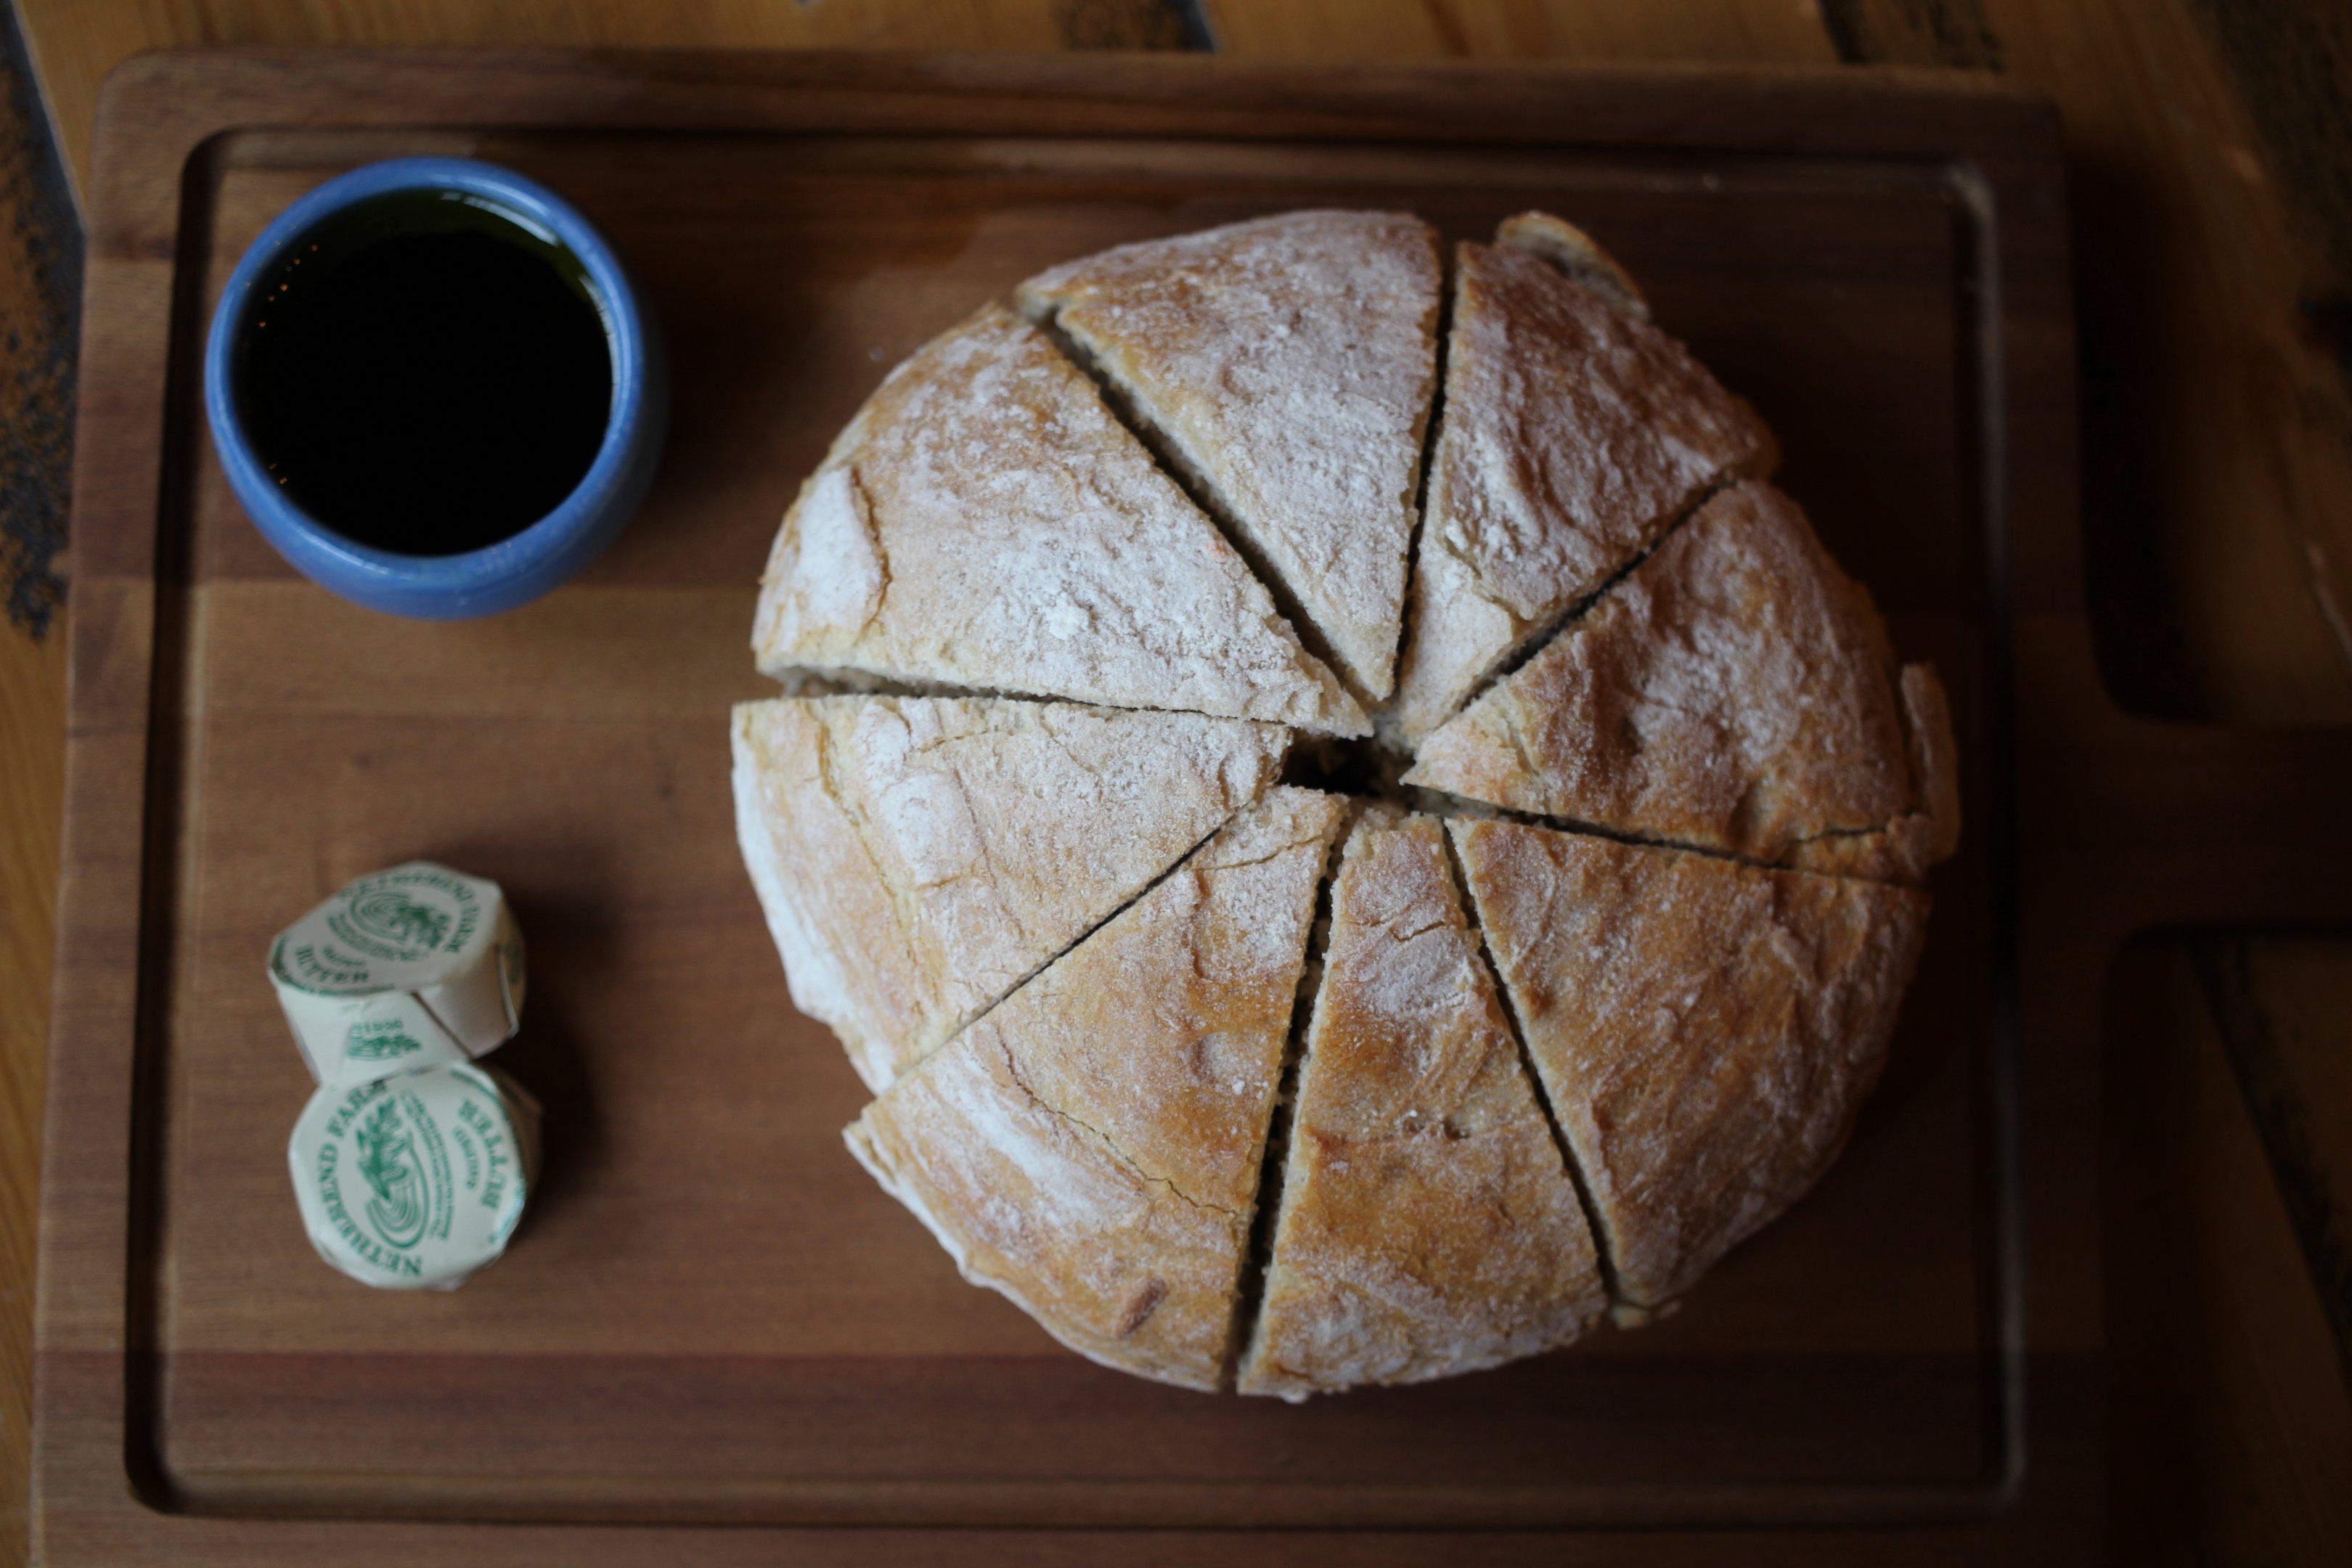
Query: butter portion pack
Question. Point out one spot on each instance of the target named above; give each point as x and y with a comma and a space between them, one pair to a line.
414, 967
416, 1183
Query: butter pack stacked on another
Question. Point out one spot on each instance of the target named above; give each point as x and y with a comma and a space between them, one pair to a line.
410, 1162
409, 968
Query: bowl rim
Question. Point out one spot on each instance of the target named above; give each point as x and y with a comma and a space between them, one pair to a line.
315, 546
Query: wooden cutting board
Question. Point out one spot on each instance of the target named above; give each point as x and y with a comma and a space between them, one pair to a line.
715, 1341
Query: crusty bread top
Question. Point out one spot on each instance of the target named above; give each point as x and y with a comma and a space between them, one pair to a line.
1051, 508
1576, 257
1906, 848
919, 858
1091, 1146
1704, 1030
1572, 434
1428, 1224
985, 523
1288, 363
1734, 691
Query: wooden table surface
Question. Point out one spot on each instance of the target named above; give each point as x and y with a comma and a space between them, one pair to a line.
2212, 181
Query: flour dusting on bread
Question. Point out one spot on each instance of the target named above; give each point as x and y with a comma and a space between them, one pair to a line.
1076, 578
1288, 363
985, 523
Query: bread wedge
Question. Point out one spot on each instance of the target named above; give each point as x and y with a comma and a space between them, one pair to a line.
1572, 434
918, 857
1286, 365
985, 524
1704, 1030
1091, 1146
1735, 692
1428, 1224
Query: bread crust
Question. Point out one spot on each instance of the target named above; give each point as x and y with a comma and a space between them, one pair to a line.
1572, 434
1736, 691
1288, 364
909, 872
1577, 256
1547, 1076
1091, 1147
1428, 1224
1706, 1031
1906, 849
1063, 564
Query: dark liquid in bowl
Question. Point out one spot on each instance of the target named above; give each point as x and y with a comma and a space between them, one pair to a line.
423, 374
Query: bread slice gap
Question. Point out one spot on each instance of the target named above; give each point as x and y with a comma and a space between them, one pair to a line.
1119, 399
1906, 848
1576, 435
1092, 1146
1428, 1226
800, 681
908, 875
1603, 1262
1387, 729
1533, 644
1282, 370
1862, 855
1706, 1031
1735, 692
985, 523
1272, 1167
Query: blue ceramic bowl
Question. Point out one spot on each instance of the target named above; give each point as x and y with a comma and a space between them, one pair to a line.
523, 565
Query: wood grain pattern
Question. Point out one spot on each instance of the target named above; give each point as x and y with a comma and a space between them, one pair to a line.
2267, 1475
2274, 1004
1745, 31
2208, 143
2130, 156
787, 281
2211, 236
40, 277
78, 44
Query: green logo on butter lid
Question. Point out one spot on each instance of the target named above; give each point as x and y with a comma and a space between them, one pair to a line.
406, 914
381, 1040
413, 1180
389, 915
396, 1205
413, 926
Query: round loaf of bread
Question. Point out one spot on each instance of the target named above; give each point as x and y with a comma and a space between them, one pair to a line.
1349, 828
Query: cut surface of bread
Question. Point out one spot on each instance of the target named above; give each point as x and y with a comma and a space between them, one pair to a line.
1428, 1224
1704, 1030
918, 857
1734, 691
985, 523
1091, 1146
1288, 364
1572, 434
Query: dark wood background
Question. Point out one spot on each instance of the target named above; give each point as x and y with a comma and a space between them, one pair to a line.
2213, 232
